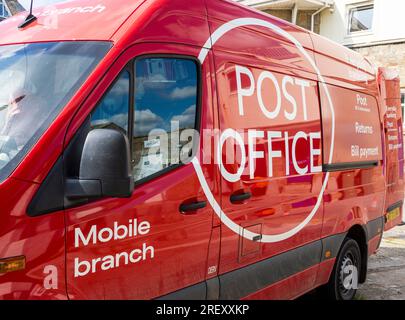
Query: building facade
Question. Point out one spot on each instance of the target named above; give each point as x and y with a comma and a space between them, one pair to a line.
9, 8
374, 28
305, 13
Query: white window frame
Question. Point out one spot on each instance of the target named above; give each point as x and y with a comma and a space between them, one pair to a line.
350, 10
5, 9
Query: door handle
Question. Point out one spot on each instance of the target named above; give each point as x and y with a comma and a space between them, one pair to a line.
237, 198
191, 207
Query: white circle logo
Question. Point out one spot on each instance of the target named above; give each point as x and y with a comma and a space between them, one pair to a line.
219, 33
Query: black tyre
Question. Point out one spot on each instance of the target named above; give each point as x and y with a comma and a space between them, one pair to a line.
345, 275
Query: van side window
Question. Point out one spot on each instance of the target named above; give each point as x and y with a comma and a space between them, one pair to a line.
165, 114
112, 111
357, 136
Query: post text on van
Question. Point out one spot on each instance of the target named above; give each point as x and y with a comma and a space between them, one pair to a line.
257, 87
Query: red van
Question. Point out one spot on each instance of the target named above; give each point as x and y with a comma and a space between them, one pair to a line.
189, 149
391, 116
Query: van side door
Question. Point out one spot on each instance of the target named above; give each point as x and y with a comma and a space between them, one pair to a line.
271, 154
271, 184
155, 242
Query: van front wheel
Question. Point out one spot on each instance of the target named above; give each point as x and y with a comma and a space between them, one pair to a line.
345, 275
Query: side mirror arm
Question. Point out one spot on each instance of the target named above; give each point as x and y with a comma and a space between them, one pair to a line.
76, 189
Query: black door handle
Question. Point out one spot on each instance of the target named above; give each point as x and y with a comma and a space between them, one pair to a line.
190, 207
237, 198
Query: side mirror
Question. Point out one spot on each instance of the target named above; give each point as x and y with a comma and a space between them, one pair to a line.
105, 167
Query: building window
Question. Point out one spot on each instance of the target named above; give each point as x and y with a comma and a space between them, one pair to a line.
403, 104
3, 10
361, 18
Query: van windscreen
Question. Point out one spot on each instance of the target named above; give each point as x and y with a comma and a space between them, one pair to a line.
36, 81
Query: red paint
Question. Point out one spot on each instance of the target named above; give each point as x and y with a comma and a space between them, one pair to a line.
391, 113
191, 249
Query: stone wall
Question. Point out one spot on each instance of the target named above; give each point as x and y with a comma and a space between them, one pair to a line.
303, 18
282, 14
388, 55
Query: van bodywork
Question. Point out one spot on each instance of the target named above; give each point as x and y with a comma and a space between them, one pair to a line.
319, 103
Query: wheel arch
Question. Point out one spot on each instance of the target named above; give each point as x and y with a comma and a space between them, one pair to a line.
359, 233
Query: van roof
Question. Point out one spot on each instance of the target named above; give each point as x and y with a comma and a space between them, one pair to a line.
109, 20
71, 20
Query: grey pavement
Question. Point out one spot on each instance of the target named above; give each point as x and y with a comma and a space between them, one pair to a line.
386, 271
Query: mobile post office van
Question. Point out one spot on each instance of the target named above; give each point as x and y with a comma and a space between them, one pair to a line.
188, 149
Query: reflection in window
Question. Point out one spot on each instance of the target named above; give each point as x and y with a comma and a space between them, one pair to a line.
165, 113
3, 10
31, 96
112, 112
361, 18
